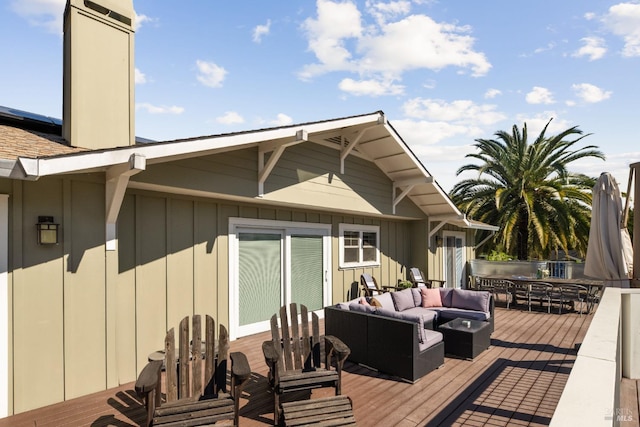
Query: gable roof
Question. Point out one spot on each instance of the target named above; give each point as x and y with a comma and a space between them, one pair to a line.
30, 155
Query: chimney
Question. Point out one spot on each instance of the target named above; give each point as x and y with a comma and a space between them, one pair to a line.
98, 88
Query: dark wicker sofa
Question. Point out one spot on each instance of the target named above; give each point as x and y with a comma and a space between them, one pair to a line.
397, 335
387, 344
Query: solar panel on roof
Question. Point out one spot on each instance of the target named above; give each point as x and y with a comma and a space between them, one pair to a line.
20, 114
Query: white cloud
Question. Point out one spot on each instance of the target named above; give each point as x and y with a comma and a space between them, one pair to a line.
459, 111
589, 16
140, 78
492, 93
382, 52
230, 118
594, 48
420, 42
540, 95
546, 48
421, 134
159, 109
335, 23
370, 87
537, 122
385, 11
139, 20
590, 93
623, 19
41, 13
211, 74
282, 120
261, 30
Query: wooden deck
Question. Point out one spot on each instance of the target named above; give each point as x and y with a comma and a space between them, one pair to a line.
517, 382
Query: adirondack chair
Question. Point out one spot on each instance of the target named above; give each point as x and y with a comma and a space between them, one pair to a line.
293, 355
416, 277
192, 396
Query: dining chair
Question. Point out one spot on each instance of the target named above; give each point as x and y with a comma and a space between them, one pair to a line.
572, 294
539, 291
503, 287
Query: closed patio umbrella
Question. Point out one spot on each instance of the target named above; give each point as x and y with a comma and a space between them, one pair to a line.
609, 252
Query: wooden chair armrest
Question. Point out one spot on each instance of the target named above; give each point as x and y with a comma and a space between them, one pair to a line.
240, 368
335, 344
148, 379
271, 353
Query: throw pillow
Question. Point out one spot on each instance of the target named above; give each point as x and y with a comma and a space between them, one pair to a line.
402, 300
446, 295
363, 301
374, 302
386, 301
431, 297
417, 297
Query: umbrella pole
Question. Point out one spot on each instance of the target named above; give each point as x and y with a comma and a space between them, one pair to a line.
635, 281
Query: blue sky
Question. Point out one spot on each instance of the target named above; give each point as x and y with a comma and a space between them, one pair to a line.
444, 72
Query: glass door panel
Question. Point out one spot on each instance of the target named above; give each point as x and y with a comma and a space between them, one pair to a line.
260, 276
307, 271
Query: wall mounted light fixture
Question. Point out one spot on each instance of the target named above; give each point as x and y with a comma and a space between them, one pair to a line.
438, 240
47, 231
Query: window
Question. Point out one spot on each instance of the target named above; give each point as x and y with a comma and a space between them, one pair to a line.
359, 245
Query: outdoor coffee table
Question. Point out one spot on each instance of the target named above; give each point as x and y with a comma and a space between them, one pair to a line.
465, 338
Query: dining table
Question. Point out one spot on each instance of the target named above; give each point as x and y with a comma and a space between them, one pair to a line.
594, 286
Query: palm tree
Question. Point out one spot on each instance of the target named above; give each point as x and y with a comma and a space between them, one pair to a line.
528, 191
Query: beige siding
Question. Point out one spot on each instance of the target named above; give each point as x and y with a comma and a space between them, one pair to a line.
84, 290
126, 293
306, 174
81, 324
38, 323
151, 273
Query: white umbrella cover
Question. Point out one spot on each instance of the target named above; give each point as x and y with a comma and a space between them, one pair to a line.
609, 253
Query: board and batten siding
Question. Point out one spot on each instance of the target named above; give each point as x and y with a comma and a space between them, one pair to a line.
83, 319
58, 327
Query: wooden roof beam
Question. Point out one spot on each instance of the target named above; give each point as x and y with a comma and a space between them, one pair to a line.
117, 179
409, 184
264, 169
345, 151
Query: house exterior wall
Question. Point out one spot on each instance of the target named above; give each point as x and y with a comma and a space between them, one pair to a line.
83, 319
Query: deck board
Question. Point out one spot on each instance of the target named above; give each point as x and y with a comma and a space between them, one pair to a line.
517, 382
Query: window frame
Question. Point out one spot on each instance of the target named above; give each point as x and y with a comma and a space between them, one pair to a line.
360, 229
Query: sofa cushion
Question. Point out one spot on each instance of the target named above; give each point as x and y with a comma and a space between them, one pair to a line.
403, 299
409, 317
446, 314
446, 295
470, 300
431, 297
361, 308
385, 301
343, 305
428, 315
430, 339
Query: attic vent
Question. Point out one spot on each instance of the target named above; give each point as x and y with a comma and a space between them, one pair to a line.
110, 13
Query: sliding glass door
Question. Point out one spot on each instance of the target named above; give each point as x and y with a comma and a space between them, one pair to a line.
274, 263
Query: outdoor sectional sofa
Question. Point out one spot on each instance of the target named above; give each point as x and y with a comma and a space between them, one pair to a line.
396, 332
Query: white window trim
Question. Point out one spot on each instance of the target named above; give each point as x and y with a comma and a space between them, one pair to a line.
5, 346
342, 228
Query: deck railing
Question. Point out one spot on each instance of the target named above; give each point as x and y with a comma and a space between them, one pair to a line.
610, 350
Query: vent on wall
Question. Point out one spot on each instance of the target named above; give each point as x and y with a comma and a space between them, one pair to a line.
110, 13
